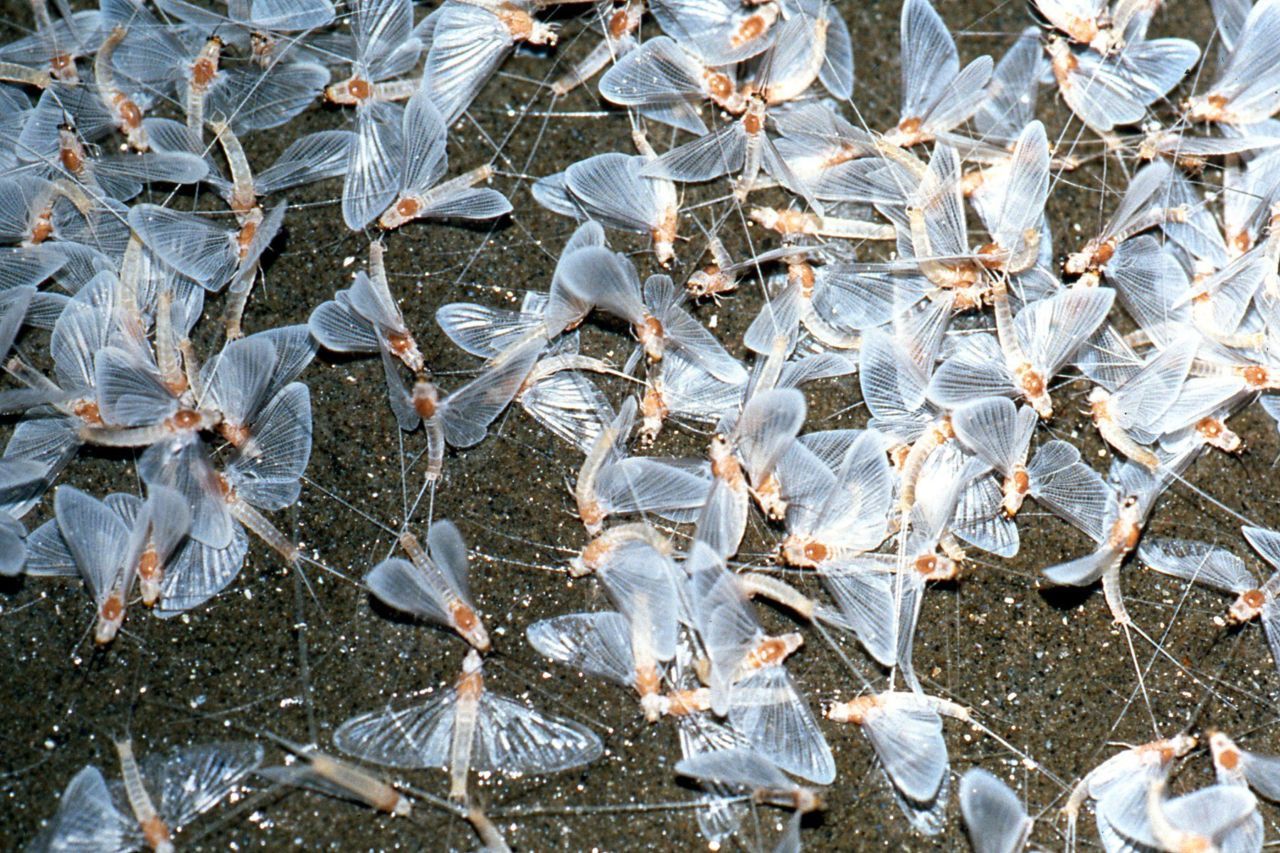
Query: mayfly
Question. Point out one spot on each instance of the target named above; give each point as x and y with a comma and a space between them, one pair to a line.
110, 551
1218, 568
667, 83
467, 41
741, 146
1029, 350
1000, 434
365, 318
1246, 90
93, 814
423, 163
905, 730
835, 512
618, 26
1105, 91
760, 436
937, 94
745, 770
611, 483
384, 49
460, 418
1141, 764
1129, 403
1234, 764
1125, 514
1218, 817
434, 586
603, 645
608, 280
469, 728
611, 189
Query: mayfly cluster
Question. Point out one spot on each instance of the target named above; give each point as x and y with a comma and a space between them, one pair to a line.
909, 264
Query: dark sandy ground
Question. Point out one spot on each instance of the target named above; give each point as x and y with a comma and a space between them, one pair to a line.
1045, 669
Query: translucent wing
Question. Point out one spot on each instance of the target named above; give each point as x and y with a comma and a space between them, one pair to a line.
88, 821
1197, 561
449, 553
929, 57
995, 817
1052, 329
469, 411
95, 535
717, 153
469, 44
197, 572
418, 736
189, 782
766, 708
402, 585
997, 430
193, 245
599, 644
372, 178
514, 738
908, 741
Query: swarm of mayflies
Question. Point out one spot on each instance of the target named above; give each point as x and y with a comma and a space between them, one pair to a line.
916, 264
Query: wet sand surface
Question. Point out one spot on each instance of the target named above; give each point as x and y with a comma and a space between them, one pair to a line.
1045, 669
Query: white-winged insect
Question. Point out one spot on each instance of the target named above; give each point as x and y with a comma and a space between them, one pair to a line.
720, 32
1246, 89
612, 483
309, 158
365, 317
1091, 23
745, 770
760, 436
121, 176
469, 728
422, 165
1136, 489
735, 642
1217, 817
905, 730
742, 146
1233, 766
937, 94
1236, 765
488, 332
124, 815
1000, 434
640, 578
467, 41
836, 511
996, 819
52, 50
1105, 91
1013, 212
1028, 351
1140, 764
462, 417
384, 48
611, 189
606, 279
1130, 401
1220, 569
602, 646
111, 551
667, 83
204, 251
434, 586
